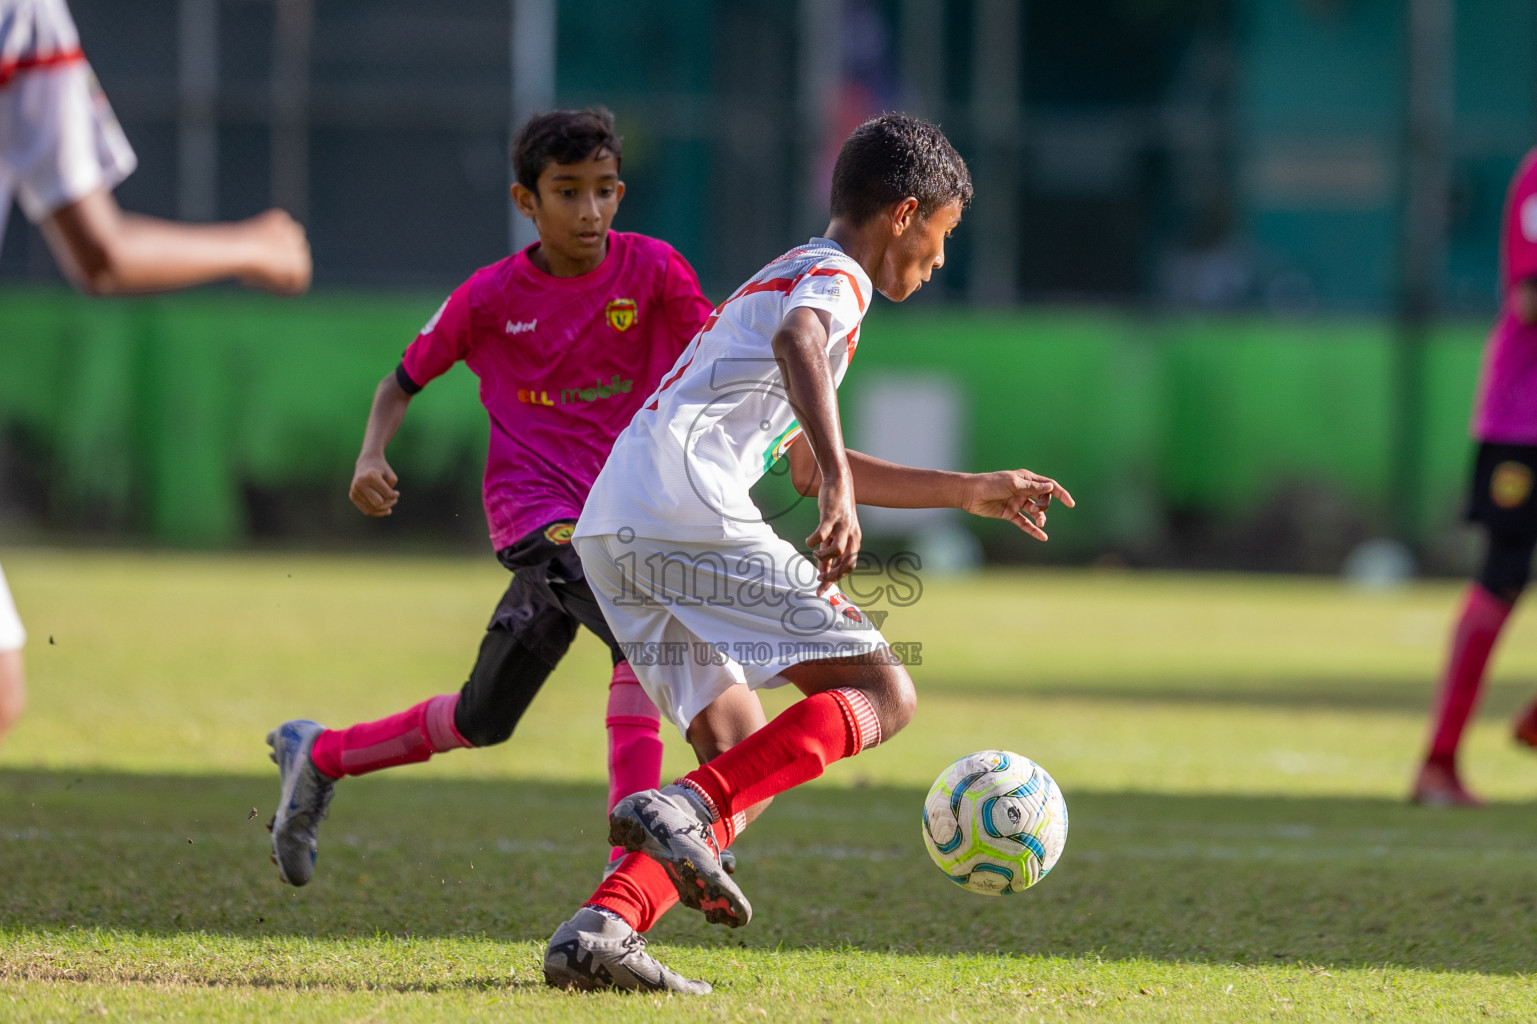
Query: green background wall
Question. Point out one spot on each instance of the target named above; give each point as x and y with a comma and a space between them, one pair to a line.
155, 416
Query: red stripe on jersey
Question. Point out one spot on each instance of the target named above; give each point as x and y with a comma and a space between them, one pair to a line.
9, 69
670, 381
831, 272
773, 284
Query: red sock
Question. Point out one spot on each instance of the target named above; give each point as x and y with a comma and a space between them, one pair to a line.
638, 891
634, 746
794, 748
1483, 615
413, 735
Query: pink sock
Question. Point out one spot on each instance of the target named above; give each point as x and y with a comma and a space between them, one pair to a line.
413, 735
634, 746
1483, 615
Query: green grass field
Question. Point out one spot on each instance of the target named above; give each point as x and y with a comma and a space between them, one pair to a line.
1235, 753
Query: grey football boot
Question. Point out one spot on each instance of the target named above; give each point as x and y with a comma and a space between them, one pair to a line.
596, 951
672, 826
727, 861
302, 804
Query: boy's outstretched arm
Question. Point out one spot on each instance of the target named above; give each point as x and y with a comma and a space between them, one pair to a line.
800, 346
1016, 495
373, 481
105, 250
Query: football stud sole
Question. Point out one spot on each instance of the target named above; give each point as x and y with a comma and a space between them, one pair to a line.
718, 902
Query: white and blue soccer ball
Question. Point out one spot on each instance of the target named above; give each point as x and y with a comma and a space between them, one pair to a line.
995, 822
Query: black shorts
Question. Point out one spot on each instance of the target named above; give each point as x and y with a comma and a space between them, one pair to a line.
547, 577
1502, 497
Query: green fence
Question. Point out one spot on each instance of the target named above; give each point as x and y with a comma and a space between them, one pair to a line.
157, 415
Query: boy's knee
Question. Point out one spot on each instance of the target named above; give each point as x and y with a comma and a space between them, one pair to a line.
709, 748
1507, 565
481, 730
727, 721
898, 702
508, 673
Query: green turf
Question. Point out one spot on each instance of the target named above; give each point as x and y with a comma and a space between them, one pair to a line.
1234, 754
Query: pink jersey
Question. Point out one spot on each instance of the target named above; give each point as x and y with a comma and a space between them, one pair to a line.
1506, 411
563, 363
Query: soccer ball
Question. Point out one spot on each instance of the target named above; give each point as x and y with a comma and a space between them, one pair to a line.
995, 822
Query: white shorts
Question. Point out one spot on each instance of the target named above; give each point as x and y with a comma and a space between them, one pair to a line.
12, 636
695, 618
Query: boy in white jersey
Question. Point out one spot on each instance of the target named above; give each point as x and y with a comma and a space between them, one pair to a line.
708, 603
62, 153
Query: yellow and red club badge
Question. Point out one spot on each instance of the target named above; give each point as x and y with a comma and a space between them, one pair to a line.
622, 314
1510, 484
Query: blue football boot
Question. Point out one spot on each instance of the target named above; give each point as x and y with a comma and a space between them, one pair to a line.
302, 804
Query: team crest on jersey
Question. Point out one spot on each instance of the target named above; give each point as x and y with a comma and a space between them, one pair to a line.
559, 533
1510, 485
622, 314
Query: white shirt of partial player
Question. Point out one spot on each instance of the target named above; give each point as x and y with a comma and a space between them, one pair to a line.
59, 140
722, 418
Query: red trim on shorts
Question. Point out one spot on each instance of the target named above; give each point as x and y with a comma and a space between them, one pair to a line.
9, 69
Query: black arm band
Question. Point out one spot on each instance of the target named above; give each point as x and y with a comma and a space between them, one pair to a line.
403, 378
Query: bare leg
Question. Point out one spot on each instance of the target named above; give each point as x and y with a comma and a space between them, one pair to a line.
878, 676
13, 689
730, 719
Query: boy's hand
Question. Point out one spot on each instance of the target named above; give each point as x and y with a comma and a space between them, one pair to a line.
1016, 495
282, 261
835, 542
373, 486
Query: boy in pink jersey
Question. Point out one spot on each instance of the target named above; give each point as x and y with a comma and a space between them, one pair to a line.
567, 337
681, 561
1505, 427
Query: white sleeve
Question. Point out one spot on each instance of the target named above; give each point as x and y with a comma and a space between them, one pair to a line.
832, 289
59, 140
12, 636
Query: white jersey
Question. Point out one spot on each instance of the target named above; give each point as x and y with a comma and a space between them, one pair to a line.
720, 418
12, 636
59, 140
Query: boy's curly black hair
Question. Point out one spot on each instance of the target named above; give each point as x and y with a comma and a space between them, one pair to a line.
562, 137
891, 157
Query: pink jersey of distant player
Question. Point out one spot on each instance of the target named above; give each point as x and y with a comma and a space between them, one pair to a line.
563, 363
1506, 412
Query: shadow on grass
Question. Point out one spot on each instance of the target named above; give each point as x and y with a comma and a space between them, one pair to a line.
1212, 878
1501, 700
94, 971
